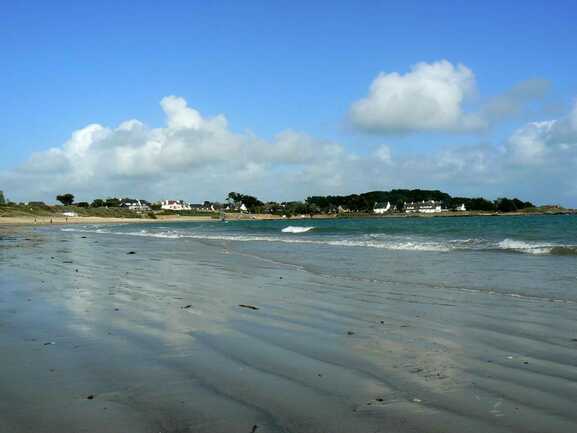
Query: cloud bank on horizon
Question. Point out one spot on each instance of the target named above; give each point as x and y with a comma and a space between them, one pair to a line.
198, 157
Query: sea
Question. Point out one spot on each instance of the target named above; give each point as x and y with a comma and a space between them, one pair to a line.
532, 256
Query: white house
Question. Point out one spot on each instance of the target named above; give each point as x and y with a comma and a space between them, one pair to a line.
235, 207
174, 205
461, 208
70, 214
136, 205
381, 208
430, 206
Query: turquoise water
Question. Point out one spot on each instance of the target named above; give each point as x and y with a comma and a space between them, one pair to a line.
531, 257
538, 235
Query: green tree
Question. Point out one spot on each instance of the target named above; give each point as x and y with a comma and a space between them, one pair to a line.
2, 199
505, 205
233, 197
112, 202
251, 203
522, 204
83, 204
97, 203
66, 199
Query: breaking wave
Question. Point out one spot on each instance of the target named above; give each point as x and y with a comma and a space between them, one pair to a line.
382, 244
369, 241
296, 229
536, 247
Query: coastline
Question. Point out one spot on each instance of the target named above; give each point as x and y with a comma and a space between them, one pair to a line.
61, 220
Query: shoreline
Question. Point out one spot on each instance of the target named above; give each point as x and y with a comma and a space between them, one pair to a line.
61, 220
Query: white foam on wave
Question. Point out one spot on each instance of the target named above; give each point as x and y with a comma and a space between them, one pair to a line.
393, 245
86, 230
525, 247
296, 229
380, 242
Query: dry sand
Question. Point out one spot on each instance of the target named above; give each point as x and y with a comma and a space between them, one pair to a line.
60, 220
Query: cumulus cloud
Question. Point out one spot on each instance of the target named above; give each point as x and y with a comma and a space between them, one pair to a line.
195, 149
197, 157
540, 143
428, 98
432, 97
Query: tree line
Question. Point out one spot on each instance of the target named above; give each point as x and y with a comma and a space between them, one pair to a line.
365, 202
68, 200
360, 203
398, 197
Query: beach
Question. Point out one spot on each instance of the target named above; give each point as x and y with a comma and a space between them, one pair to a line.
436, 325
62, 220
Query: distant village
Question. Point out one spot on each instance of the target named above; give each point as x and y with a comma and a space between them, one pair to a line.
425, 206
398, 201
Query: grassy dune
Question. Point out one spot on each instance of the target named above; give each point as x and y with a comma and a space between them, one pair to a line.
17, 210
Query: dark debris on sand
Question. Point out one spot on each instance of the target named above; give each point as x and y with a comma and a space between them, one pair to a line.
250, 307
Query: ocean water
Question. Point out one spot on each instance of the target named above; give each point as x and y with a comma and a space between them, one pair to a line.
546, 235
533, 256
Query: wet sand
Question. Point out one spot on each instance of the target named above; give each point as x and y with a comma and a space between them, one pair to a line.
97, 340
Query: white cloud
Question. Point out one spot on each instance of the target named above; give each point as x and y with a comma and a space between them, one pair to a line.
540, 143
428, 98
196, 157
197, 150
528, 144
383, 153
432, 98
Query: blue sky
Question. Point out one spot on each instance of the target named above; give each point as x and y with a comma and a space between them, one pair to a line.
276, 66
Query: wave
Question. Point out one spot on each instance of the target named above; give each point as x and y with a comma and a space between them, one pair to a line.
296, 229
370, 241
390, 245
536, 247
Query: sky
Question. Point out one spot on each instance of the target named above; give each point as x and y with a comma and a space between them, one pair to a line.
283, 100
